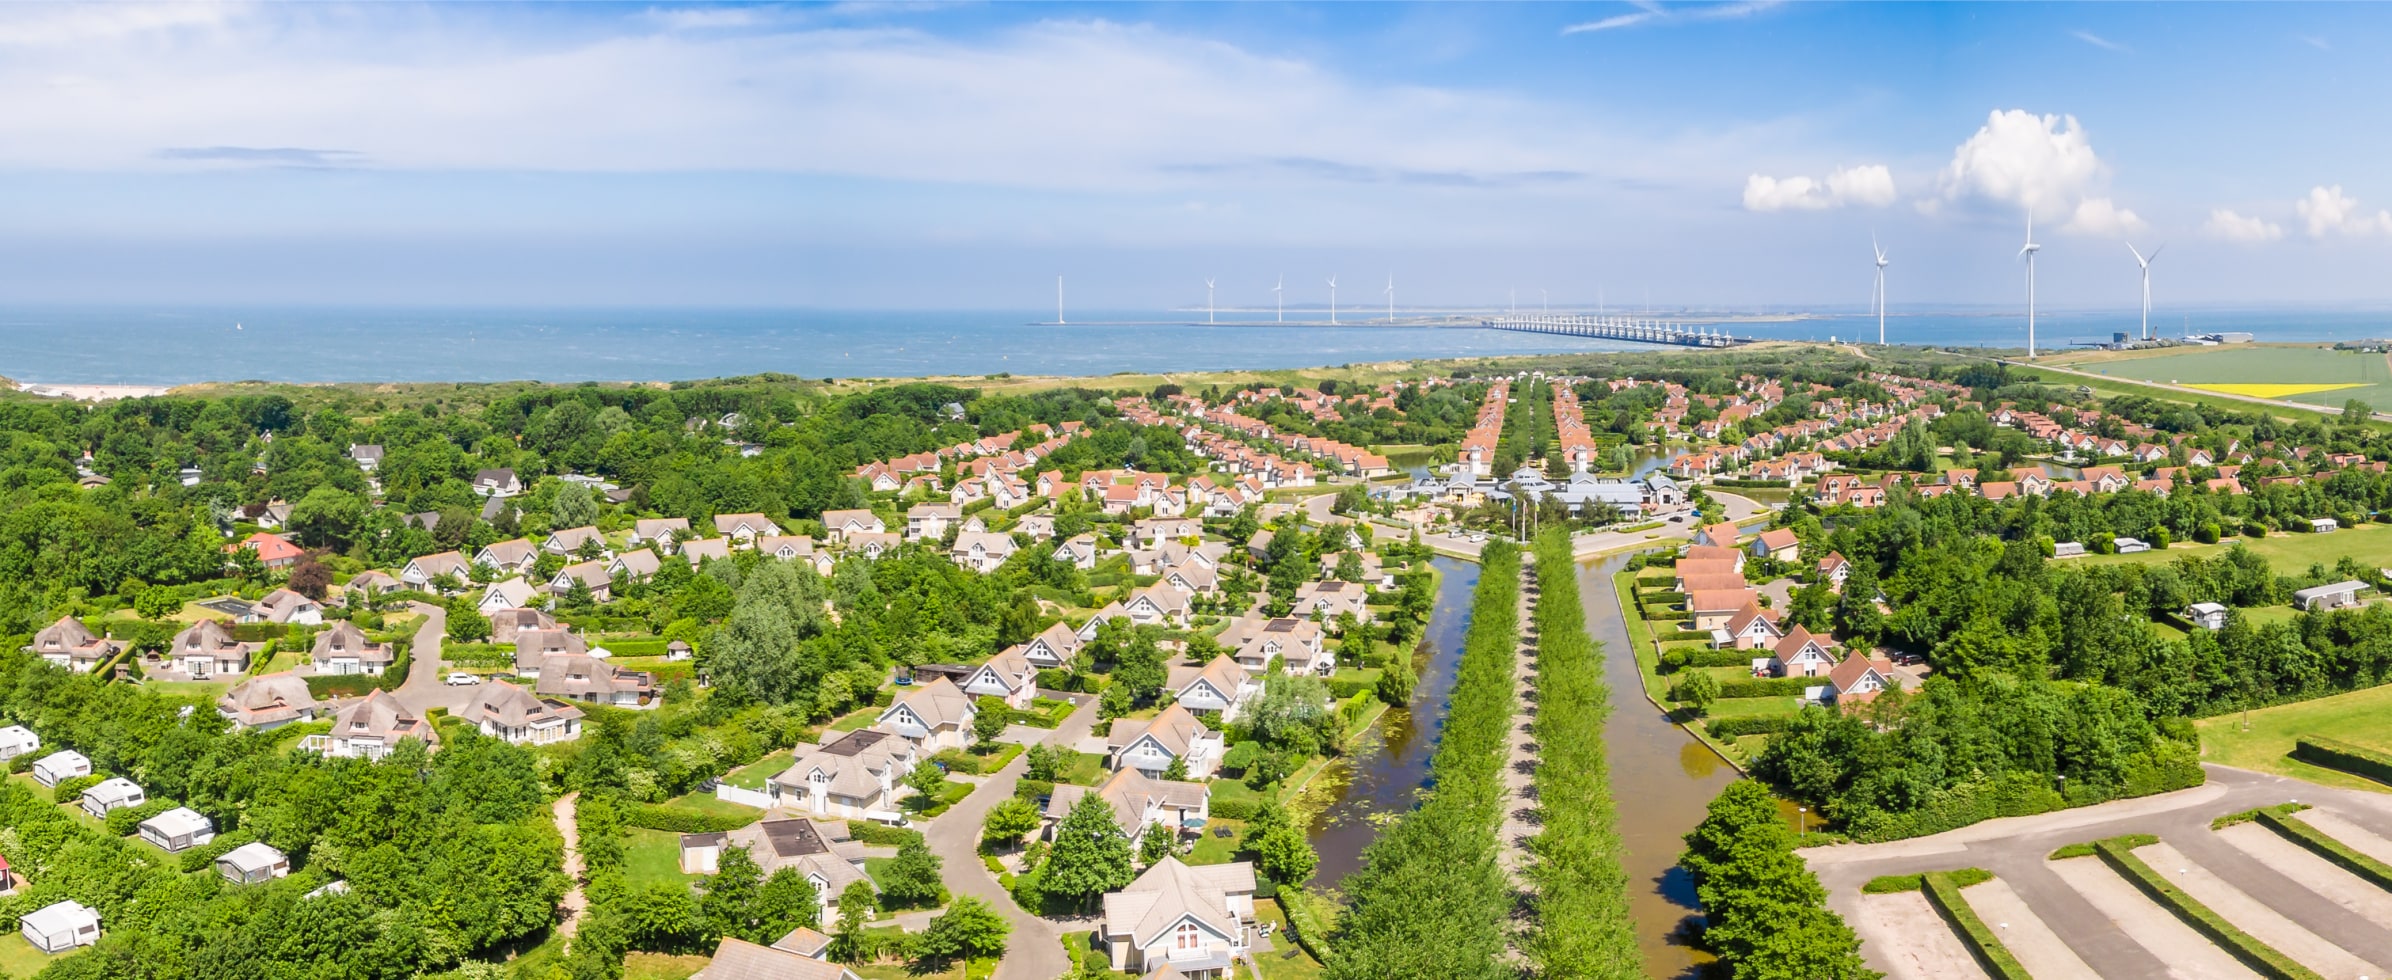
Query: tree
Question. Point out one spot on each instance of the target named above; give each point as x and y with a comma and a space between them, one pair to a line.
309, 577
912, 879
1698, 690
1156, 843
969, 928
1396, 679
662, 917
1140, 667
1008, 821
1091, 855
328, 517
990, 717
856, 905
1043, 763
466, 624
1021, 621
926, 778
157, 602
1349, 567
724, 899
1280, 849
787, 900
1177, 771
574, 507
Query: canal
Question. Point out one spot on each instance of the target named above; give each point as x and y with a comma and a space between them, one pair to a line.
1385, 774
1661, 776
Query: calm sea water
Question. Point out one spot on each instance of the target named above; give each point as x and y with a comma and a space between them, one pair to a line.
178, 345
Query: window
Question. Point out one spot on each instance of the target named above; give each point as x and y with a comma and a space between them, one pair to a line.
1186, 937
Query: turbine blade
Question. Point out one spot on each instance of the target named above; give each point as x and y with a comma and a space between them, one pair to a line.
2155, 254
2138, 254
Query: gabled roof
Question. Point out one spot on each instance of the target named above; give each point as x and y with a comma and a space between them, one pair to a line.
937, 703
1223, 674
1174, 729
738, 959
509, 706
379, 714
1171, 892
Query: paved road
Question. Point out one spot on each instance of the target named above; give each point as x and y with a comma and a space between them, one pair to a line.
423, 690
2014, 849
1035, 949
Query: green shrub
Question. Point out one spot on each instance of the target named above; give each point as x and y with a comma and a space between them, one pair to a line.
1309, 920
125, 820
1032, 789
1891, 884
881, 835
2246, 816
1747, 725
198, 858
70, 790
1766, 687
1234, 809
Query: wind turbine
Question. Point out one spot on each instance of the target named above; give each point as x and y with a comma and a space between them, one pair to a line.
1882, 261
2027, 252
1279, 301
1332, 301
1208, 301
2145, 262
1391, 297
1058, 301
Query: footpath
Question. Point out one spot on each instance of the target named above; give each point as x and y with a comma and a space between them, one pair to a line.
1521, 818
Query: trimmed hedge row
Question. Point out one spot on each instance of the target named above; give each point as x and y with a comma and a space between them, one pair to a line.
1666, 636
1765, 687
1583, 926
1677, 660
1235, 809
1741, 725
2375, 872
881, 835
1305, 920
2259, 956
1943, 892
2332, 753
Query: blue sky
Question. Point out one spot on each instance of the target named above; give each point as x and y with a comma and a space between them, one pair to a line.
960, 156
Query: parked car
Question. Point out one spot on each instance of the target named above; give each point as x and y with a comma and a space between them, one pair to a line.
461, 679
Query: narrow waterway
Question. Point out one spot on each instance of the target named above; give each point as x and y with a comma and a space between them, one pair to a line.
1391, 768
1662, 779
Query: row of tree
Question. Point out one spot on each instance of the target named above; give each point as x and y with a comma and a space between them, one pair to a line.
1430, 900
1583, 927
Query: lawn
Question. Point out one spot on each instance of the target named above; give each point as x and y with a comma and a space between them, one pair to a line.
857, 719
950, 793
1286, 961
1211, 849
2357, 717
706, 803
2282, 371
661, 966
19, 959
653, 857
754, 775
205, 690
1081, 769
2291, 554
979, 970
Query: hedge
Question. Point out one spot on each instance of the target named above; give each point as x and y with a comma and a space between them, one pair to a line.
1665, 636
1045, 713
970, 764
2259, 956
1307, 919
1031, 789
880, 834
2342, 756
1747, 725
673, 819
2373, 871
125, 820
1943, 892
1676, 660
1235, 809
198, 858
1765, 687
70, 790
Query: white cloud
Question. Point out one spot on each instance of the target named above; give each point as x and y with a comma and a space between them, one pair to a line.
2044, 164
2098, 41
2101, 216
1654, 13
2228, 226
1608, 23
1079, 105
1870, 185
2329, 211
2314, 41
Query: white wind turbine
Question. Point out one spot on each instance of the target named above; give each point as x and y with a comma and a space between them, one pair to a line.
1332, 301
1208, 301
1882, 262
1391, 297
1278, 301
2027, 252
2145, 261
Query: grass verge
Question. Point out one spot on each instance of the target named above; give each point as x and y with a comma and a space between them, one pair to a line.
1943, 892
2375, 872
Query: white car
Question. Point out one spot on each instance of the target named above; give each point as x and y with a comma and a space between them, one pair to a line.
461, 680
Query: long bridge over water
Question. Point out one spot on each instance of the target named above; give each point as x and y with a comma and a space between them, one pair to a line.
1617, 328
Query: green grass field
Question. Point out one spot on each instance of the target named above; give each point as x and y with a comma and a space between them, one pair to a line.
20, 959
653, 857
2253, 364
661, 966
2290, 554
2358, 717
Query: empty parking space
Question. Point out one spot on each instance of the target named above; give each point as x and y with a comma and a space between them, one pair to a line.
2187, 954
2254, 916
1912, 939
2037, 948
2308, 870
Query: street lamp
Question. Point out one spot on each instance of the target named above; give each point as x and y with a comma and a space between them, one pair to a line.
1805, 817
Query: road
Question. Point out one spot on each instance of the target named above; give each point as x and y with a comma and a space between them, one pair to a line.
1035, 949
2014, 849
423, 690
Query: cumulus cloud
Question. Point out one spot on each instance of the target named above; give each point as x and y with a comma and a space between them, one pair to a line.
2228, 226
2044, 164
1869, 185
2329, 211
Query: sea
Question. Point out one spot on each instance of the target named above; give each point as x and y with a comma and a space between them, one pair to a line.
179, 345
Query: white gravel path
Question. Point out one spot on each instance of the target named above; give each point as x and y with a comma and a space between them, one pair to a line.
1912, 939
2308, 870
2253, 916
2188, 954
2044, 955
